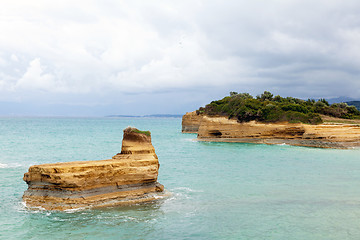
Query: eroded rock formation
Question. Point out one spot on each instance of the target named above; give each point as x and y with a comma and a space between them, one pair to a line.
191, 122
222, 129
129, 177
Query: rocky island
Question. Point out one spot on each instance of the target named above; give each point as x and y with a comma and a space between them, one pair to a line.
129, 177
275, 120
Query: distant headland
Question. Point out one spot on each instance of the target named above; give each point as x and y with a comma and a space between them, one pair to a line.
152, 115
270, 119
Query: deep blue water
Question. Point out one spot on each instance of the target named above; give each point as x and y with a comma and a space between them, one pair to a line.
219, 190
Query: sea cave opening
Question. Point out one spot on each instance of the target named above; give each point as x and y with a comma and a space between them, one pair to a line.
215, 133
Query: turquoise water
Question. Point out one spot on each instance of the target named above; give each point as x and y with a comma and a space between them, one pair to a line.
219, 190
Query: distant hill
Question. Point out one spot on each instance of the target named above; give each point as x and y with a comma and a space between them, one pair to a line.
165, 115
129, 116
350, 101
354, 103
340, 100
152, 115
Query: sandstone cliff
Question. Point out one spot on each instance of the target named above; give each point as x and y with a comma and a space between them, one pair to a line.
222, 129
191, 122
129, 177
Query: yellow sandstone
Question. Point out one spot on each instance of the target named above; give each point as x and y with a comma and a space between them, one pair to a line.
129, 177
222, 129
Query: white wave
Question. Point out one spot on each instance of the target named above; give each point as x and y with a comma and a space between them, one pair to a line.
75, 210
24, 207
190, 140
180, 193
177, 196
13, 165
164, 194
3, 165
355, 148
20, 207
186, 189
154, 220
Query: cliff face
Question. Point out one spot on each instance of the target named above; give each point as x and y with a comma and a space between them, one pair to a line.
191, 122
221, 129
129, 177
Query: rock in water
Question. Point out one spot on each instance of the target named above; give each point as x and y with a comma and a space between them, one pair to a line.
129, 177
223, 129
191, 122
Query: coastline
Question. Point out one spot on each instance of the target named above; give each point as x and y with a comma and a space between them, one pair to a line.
221, 129
291, 142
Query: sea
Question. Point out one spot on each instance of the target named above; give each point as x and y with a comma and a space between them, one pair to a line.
218, 190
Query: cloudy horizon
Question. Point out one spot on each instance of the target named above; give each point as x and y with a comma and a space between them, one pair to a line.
148, 57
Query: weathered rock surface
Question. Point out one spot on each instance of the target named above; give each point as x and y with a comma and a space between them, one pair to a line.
191, 122
129, 177
222, 129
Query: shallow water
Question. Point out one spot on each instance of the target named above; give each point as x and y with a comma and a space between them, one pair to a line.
219, 190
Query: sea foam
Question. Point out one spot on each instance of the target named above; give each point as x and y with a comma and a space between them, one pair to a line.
3, 165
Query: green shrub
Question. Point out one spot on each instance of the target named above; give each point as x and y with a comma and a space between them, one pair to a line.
295, 108
266, 108
147, 133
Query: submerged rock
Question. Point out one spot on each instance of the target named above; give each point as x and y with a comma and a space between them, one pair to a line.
129, 177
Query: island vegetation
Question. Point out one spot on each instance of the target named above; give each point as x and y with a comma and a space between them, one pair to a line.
268, 108
135, 130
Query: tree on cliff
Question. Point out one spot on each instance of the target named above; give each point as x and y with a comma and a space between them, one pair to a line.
266, 108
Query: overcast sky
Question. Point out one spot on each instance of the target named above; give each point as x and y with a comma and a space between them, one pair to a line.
142, 57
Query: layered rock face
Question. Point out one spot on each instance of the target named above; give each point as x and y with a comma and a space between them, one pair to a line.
191, 122
221, 129
129, 177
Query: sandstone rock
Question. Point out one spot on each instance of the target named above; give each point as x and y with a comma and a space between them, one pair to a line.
191, 122
129, 177
222, 129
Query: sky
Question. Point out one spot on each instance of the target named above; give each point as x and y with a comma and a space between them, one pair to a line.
96, 58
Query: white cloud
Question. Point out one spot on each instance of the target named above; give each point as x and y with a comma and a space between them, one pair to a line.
2, 61
14, 58
98, 48
35, 78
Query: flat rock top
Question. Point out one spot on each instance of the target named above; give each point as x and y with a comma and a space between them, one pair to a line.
135, 135
138, 141
78, 163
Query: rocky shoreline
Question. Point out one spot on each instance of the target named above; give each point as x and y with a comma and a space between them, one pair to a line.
222, 129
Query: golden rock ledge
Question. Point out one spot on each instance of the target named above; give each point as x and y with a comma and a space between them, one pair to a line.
130, 177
